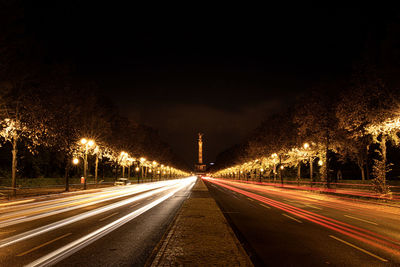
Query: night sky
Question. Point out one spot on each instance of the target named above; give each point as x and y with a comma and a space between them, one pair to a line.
219, 72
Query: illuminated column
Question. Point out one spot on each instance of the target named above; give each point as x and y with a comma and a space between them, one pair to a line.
200, 148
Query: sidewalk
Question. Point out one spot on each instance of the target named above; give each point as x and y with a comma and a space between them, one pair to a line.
200, 236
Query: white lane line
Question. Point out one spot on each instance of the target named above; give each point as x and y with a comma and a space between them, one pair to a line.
356, 247
355, 218
290, 217
42, 245
265, 206
63, 252
134, 205
105, 218
312, 206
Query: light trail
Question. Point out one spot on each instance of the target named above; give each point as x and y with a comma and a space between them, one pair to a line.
338, 191
344, 206
382, 242
52, 226
69, 249
22, 216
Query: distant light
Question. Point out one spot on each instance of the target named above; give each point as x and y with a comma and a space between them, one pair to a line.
320, 163
261, 170
137, 169
75, 161
90, 143
83, 141
282, 167
211, 163
306, 145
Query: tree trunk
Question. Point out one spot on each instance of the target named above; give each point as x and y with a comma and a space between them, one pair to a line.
14, 164
298, 172
383, 150
326, 174
362, 173
66, 175
311, 171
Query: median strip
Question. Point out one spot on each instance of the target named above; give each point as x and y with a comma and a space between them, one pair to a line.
199, 236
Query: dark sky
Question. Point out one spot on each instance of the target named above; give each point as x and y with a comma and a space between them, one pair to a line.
191, 70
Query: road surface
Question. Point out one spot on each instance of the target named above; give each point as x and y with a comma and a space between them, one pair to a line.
281, 227
116, 226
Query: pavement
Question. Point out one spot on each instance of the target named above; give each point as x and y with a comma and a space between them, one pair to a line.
281, 227
200, 236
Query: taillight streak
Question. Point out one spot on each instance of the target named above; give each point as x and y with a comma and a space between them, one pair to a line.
332, 224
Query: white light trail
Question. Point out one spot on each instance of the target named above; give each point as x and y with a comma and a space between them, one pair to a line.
82, 242
116, 195
46, 228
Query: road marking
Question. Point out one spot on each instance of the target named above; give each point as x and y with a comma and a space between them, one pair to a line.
102, 219
42, 245
235, 197
311, 206
250, 199
355, 218
265, 206
290, 217
134, 205
360, 249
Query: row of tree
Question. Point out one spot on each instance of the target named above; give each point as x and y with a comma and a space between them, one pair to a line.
46, 108
354, 120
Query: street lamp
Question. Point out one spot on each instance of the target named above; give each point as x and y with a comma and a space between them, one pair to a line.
307, 147
88, 144
75, 161
274, 156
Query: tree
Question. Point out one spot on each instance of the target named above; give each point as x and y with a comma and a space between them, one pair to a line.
316, 121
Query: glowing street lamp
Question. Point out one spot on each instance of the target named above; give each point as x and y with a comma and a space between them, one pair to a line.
88, 144
75, 161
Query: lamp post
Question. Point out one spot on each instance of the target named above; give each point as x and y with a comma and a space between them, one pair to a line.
306, 147
87, 144
274, 157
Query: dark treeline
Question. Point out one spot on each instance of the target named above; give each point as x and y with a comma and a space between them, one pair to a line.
45, 109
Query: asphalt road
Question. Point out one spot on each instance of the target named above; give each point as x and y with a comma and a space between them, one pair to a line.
281, 227
117, 226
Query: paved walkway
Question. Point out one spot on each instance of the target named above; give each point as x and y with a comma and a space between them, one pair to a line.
200, 236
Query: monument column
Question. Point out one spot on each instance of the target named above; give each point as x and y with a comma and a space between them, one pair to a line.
200, 166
